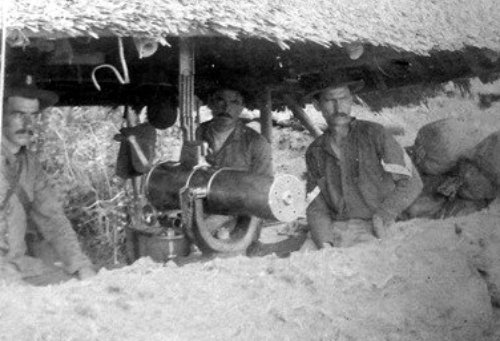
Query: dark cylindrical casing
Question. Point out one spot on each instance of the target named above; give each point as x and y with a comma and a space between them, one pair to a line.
163, 184
234, 192
228, 191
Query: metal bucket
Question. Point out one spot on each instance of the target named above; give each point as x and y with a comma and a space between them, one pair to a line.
163, 247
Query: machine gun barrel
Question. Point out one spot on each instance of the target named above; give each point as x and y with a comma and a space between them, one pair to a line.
227, 191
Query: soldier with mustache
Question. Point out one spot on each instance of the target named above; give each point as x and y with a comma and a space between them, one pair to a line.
364, 176
35, 235
231, 143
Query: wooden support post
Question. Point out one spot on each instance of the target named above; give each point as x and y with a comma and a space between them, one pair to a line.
298, 112
132, 122
130, 235
266, 116
186, 88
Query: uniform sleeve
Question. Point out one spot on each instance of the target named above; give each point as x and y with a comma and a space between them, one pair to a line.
48, 216
262, 159
4, 186
313, 172
395, 160
393, 157
9, 273
7, 270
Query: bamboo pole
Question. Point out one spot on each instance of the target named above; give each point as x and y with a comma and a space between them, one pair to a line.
298, 112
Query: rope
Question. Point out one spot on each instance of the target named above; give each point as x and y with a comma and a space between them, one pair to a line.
125, 79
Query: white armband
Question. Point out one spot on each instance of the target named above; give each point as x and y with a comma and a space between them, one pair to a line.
394, 168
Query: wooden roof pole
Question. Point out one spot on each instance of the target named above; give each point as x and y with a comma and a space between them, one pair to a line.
266, 115
298, 112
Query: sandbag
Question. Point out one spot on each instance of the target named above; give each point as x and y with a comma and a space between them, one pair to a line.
475, 183
425, 206
438, 207
440, 144
486, 156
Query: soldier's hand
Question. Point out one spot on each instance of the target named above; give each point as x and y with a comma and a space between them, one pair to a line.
119, 138
9, 273
126, 132
85, 273
381, 223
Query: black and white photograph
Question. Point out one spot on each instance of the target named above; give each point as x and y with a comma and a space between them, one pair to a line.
177, 170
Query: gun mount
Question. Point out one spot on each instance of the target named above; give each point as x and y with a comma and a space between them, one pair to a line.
206, 199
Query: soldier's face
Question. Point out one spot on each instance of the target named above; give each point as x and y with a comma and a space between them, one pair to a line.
226, 106
334, 104
17, 122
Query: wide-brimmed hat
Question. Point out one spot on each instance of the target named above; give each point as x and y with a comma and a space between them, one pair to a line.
322, 84
26, 87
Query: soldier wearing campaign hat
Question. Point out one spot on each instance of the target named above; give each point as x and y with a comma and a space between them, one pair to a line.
35, 235
364, 176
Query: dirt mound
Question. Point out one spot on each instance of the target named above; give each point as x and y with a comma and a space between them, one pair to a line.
417, 286
476, 236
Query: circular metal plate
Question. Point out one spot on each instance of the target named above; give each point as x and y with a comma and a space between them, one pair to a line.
287, 198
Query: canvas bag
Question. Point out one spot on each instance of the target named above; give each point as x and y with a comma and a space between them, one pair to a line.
440, 144
486, 156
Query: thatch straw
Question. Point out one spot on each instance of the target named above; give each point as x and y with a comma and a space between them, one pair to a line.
409, 25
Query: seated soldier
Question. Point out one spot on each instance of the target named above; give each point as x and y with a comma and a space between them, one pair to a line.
364, 176
232, 144
29, 209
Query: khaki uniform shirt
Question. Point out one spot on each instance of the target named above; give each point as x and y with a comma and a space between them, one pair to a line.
43, 215
244, 149
361, 181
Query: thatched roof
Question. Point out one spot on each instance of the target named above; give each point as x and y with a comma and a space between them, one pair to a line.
408, 25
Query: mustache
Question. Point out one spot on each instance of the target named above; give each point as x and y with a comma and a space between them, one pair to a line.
24, 131
341, 115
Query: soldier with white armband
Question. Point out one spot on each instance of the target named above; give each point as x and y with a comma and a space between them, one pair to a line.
365, 178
